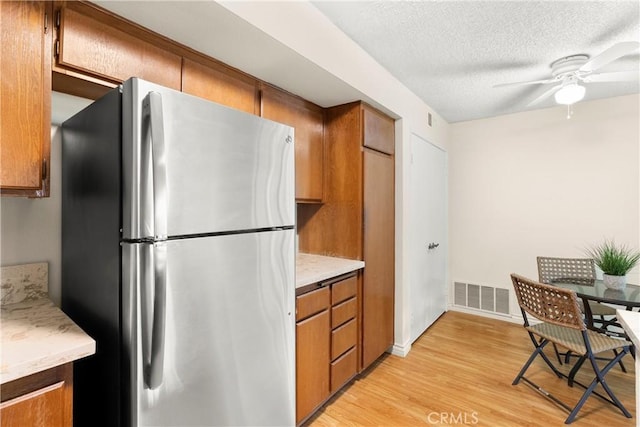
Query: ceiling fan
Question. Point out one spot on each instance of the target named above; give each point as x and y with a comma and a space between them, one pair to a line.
569, 72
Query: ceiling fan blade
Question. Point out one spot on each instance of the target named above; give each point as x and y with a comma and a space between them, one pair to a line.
545, 95
533, 82
616, 76
609, 55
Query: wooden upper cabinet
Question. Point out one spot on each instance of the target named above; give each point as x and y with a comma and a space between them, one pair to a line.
308, 121
25, 97
93, 43
379, 132
220, 84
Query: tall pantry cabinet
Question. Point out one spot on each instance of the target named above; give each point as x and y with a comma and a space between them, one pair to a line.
356, 219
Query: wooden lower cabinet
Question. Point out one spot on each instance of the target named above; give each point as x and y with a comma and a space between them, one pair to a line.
43, 399
326, 342
312, 351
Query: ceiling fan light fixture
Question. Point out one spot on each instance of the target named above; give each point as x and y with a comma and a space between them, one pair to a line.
570, 94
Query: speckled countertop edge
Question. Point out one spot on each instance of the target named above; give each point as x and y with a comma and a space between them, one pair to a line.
35, 335
316, 268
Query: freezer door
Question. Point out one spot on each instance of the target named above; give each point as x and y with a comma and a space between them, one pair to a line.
223, 322
191, 166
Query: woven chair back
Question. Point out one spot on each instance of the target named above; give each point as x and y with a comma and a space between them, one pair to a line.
547, 303
572, 270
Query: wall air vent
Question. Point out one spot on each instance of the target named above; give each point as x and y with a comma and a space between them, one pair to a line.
485, 298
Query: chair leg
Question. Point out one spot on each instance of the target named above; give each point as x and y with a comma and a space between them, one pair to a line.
555, 348
599, 379
620, 362
575, 369
539, 346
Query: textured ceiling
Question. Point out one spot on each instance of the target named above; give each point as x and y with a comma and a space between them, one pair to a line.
452, 53
449, 53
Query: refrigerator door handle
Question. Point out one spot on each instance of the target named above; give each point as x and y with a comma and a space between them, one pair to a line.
152, 114
154, 362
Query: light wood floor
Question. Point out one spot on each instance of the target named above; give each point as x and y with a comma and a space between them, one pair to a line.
462, 367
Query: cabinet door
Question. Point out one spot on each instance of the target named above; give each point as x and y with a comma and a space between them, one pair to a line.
43, 399
32, 408
312, 363
307, 119
217, 84
90, 43
25, 97
379, 132
378, 277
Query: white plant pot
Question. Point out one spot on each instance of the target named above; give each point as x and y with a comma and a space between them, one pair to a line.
614, 282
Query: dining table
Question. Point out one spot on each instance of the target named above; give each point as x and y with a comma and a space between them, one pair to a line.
625, 299
588, 290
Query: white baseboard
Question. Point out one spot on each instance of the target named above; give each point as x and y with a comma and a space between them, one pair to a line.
505, 317
400, 349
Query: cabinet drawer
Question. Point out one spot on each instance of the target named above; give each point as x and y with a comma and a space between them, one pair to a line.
343, 312
343, 369
312, 302
343, 338
344, 289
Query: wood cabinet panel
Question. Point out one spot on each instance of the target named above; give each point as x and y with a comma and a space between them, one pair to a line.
222, 85
378, 131
25, 97
43, 399
90, 45
343, 369
312, 363
345, 288
308, 121
356, 219
312, 303
343, 338
38, 408
343, 312
335, 228
378, 277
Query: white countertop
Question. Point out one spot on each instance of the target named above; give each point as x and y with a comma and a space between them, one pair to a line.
630, 321
35, 334
316, 268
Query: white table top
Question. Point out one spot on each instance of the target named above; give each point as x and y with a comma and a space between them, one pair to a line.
630, 321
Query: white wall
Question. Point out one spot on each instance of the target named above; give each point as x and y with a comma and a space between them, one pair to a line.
30, 228
535, 183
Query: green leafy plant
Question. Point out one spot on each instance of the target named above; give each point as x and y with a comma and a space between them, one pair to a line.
612, 259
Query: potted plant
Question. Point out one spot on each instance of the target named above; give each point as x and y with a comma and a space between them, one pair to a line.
614, 261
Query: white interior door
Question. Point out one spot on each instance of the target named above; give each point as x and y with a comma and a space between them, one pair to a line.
428, 216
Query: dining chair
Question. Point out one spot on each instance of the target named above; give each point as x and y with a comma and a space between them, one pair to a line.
576, 270
562, 323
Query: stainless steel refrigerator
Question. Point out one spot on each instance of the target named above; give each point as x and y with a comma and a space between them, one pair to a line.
178, 259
